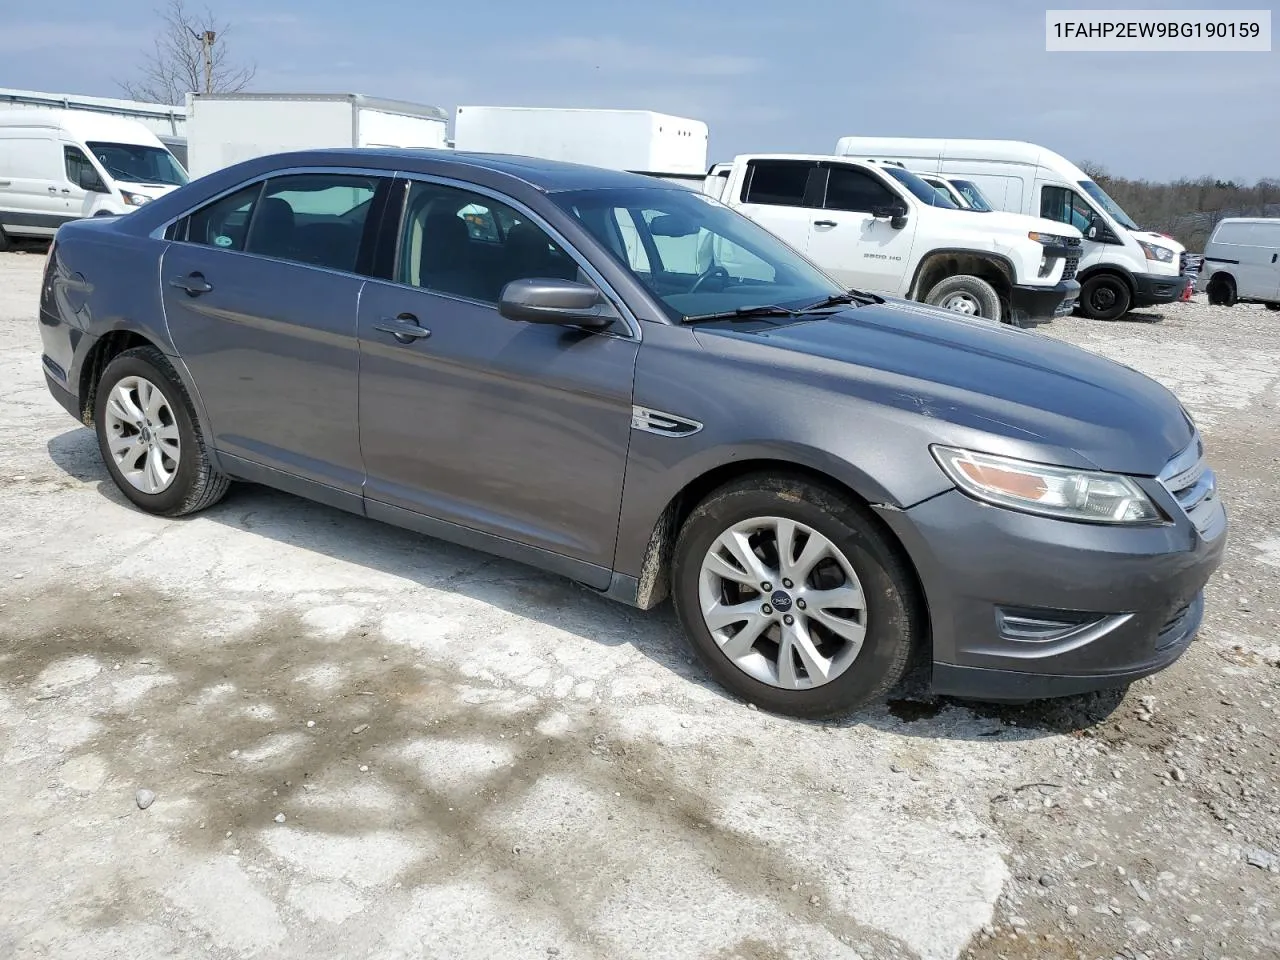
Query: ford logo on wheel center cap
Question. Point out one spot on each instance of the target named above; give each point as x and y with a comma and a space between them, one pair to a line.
781, 601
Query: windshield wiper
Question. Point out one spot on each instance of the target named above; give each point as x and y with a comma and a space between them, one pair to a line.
742, 313
850, 296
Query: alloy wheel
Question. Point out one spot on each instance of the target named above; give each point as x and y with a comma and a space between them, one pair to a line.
142, 434
782, 602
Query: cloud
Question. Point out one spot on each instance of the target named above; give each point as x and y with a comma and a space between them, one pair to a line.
619, 56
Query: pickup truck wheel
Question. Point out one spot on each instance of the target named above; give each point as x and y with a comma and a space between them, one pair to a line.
793, 598
968, 295
1273, 306
1105, 297
149, 437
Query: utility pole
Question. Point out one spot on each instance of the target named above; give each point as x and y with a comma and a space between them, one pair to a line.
206, 40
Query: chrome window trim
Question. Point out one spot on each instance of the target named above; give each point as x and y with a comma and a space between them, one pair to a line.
159, 232
624, 312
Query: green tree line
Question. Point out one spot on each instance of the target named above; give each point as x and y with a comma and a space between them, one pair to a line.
1185, 209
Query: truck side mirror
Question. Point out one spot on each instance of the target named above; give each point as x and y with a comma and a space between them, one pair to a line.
895, 212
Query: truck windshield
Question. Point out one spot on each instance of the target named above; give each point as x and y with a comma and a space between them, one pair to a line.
972, 195
920, 189
1100, 197
135, 163
695, 255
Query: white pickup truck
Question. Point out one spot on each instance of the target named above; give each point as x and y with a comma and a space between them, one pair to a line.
880, 228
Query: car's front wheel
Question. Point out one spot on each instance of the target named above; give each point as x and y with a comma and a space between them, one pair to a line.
150, 439
794, 598
972, 296
1105, 297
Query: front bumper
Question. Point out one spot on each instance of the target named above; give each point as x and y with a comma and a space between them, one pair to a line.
1024, 607
1150, 289
1031, 305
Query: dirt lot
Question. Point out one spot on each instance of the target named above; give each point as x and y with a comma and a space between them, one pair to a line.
366, 743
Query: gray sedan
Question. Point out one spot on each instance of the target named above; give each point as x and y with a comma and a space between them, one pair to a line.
627, 383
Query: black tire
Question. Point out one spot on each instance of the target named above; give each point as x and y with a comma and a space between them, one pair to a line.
896, 625
1273, 306
974, 291
197, 483
1105, 296
4, 240
1222, 291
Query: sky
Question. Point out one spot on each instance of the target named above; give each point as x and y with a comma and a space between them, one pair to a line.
765, 75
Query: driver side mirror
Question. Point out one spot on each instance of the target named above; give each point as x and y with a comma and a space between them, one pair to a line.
563, 302
1092, 232
895, 212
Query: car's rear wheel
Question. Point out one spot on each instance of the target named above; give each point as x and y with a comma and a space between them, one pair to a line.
794, 598
1273, 306
150, 439
1105, 297
972, 296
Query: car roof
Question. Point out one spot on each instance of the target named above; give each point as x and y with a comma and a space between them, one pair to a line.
550, 176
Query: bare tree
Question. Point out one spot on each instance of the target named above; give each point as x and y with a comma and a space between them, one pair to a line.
190, 55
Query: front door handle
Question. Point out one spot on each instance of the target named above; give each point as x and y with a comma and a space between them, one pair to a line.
1273, 257
193, 283
405, 328
66, 189
824, 223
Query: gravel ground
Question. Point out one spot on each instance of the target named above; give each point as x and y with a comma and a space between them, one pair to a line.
352, 741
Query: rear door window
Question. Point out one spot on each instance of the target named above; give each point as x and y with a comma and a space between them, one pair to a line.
313, 218
779, 183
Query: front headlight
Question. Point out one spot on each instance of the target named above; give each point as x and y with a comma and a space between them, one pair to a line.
1048, 239
1061, 492
1152, 252
134, 199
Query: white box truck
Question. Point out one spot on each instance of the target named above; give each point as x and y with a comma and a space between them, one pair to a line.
226, 128
639, 141
1123, 266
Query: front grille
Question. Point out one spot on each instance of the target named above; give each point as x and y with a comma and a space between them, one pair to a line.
1072, 259
1195, 487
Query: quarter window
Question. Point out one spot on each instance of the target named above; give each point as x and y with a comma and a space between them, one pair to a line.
222, 223
851, 189
779, 183
466, 245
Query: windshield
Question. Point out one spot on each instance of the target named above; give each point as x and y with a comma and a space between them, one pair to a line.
922, 191
135, 163
972, 195
694, 254
1099, 196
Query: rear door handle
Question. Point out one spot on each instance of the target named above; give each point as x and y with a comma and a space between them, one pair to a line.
53, 189
1273, 257
193, 283
405, 328
824, 223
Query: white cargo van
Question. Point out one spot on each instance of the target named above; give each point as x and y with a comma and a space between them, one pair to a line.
638, 141
1123, 266
61, 165
1242, 262
880, 228
225, 128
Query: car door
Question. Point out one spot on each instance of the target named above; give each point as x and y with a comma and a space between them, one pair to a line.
260, 291
849, 242
777, 195
84, 190
518, 431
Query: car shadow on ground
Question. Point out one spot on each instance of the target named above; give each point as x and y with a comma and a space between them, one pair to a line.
910, 710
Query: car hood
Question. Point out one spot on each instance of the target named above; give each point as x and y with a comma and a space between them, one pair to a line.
1025, 393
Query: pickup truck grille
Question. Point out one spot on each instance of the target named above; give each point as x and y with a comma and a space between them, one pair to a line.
1072, 260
